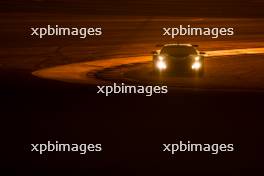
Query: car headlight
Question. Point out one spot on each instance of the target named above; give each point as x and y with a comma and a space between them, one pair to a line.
196, 65
161, 58
197, 58
161, 65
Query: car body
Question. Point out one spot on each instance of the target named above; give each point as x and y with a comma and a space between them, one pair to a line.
179, 57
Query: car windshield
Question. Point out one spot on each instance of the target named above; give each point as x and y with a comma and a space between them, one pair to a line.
178, 50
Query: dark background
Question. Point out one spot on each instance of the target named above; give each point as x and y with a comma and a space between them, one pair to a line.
131, 129
192, 8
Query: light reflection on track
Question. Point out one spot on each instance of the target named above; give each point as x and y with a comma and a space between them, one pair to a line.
84, 72
232, 52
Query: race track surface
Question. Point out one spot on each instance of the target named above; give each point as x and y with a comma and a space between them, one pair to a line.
123, 54
232, 69
131, 128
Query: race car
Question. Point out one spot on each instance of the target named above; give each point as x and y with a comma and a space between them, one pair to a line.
179, 57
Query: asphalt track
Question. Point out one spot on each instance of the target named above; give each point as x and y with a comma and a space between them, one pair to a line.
225, 69
233, 62
132, 128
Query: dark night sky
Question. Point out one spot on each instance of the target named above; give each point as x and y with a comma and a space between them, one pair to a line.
223, 8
